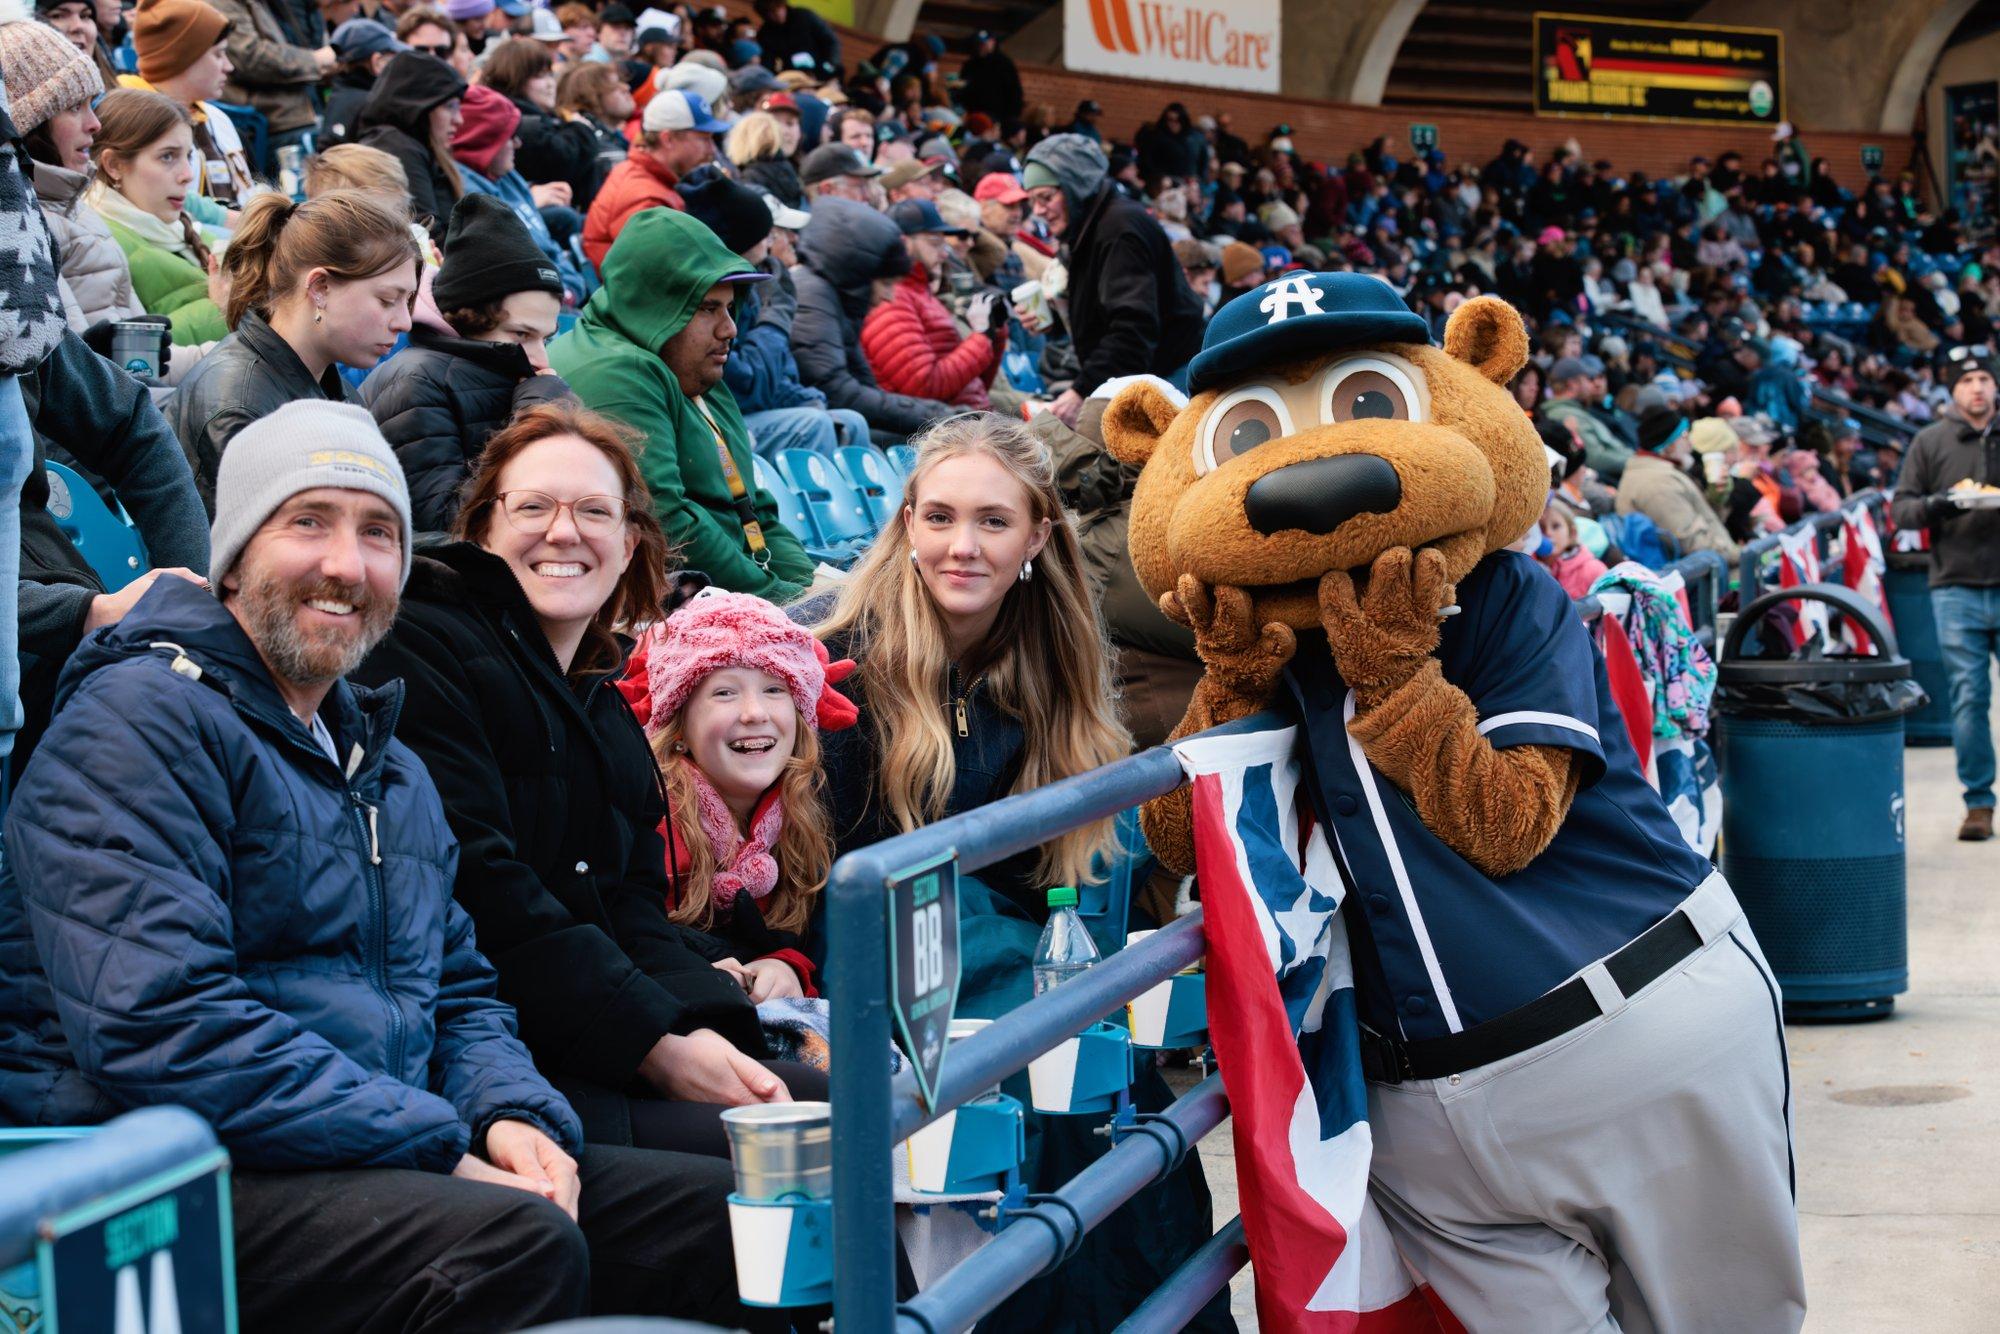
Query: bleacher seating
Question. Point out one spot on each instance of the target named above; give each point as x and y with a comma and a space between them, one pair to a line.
869, 472
103, 537
837, 509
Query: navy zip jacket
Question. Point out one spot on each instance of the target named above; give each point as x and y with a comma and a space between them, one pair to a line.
200, 907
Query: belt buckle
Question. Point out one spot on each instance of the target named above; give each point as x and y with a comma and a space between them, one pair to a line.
1384, 1059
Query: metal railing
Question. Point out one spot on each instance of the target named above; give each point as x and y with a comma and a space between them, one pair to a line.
1750, 564
873, 1112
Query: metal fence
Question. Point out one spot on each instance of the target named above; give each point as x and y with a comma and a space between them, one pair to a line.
1750, 565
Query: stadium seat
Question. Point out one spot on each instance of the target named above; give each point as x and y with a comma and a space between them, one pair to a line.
791, 510
103, 537
869, 472
905, 459
836, 508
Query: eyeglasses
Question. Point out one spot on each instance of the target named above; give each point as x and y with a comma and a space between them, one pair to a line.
534, 513
442, 52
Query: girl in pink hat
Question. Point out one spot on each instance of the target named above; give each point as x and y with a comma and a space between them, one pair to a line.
733, 697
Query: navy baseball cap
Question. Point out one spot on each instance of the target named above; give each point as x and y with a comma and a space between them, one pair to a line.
358, 38
1300, 314
916, 216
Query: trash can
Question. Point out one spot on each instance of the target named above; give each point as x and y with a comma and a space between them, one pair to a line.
1811, 753
1907, 584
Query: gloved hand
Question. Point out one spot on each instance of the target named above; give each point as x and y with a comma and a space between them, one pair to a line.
979, 311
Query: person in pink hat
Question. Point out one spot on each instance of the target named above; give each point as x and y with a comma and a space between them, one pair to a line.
733, 696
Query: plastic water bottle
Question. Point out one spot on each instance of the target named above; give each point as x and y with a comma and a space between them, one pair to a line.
1066, 949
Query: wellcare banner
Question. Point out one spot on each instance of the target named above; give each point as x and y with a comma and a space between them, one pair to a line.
1232, 46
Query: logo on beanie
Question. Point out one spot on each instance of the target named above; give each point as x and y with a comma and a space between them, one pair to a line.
548, 275
347, 458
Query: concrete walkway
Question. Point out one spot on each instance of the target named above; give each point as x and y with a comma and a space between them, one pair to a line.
1898, 1122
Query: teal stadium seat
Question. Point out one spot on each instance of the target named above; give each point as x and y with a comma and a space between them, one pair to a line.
836, 507
905, 459
791, 510
103, 536
869, 472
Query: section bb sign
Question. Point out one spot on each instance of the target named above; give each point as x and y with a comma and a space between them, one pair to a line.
1228, 47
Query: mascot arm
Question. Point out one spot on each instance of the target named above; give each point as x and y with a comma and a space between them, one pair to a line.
1243, 662
1496, 808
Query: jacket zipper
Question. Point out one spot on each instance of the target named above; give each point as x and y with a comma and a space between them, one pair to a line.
365, 825
958, 700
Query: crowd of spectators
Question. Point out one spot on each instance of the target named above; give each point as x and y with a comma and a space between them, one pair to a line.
555, 291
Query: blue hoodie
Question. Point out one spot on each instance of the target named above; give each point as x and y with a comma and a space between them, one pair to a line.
226, 919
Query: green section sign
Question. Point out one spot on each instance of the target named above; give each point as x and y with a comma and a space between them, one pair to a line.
924, 964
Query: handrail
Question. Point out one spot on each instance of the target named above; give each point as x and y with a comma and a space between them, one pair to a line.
1754, 552
872, 1112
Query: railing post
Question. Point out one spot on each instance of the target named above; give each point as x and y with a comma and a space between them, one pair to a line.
864, 1220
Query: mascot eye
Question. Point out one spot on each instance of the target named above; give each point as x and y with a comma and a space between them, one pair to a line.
1369, 388
1241, 421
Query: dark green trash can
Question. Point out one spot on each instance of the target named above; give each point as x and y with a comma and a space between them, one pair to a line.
1812, 812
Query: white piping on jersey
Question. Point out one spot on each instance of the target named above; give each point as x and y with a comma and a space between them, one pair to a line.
1562, 720
1446, 1005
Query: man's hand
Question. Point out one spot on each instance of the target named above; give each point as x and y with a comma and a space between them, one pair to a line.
704, 1067
1241, 657
1067, 407
327, 58
770, 979
110, 608
1382, 636
551, 193
519, 1149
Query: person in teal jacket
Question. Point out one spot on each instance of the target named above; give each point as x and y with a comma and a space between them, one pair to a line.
649, 351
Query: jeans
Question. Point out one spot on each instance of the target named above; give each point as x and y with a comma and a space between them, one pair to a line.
17, 456
821, 430
1968, 623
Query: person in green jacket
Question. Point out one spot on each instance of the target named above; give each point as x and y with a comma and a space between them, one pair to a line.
649, 351
146, 168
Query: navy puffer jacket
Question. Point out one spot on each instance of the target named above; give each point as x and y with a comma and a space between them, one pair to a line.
200, 907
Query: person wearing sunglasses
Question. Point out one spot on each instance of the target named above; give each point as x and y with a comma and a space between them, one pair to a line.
510, 643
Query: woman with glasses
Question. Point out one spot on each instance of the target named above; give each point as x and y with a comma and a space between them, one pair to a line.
510, 642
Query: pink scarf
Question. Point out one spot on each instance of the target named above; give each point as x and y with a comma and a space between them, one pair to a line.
741, 863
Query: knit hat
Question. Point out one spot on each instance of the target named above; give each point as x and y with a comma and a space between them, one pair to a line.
489, 256
1659, 427
1957, 362
170, 35
489, 119
1240, 261
1711, 435
305, 444
717, 629
737, 214
43, 73
460, 10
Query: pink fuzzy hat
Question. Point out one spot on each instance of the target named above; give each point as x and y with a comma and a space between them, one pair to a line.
716, 629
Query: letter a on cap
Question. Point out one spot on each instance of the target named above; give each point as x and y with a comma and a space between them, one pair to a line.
1295, 290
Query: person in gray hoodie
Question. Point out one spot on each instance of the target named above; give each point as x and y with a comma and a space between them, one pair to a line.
1127, 305
846, 252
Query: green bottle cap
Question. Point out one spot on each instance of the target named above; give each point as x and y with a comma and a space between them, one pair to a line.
1062, 896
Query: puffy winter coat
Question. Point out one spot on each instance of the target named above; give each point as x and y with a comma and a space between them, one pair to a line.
1131, 311
1670, 498
438, 400
551, 788
96, 278
250, 374
269, 939
841, 251
637, 183
396, 119
762, 372
913, 347
776, 176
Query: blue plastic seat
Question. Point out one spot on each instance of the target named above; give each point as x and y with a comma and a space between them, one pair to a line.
905, 459
102, 536
836, 507
791, 510
869, 472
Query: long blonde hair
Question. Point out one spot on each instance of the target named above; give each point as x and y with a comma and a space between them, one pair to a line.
804, 851
1048, 661
753, 138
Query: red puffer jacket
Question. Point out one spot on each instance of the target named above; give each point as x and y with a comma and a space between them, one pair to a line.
914, 348
637, 183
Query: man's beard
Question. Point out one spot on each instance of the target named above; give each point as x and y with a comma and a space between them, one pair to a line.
271, 609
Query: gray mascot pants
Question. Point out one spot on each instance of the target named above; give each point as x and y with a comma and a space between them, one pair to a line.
1633, 1174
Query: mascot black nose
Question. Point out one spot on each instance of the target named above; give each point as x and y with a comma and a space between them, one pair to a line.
1319, 495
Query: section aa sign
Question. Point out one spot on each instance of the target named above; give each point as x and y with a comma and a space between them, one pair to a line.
1175, 42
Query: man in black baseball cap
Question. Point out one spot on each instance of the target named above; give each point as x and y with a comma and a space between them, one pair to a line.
836, 169
1950, 486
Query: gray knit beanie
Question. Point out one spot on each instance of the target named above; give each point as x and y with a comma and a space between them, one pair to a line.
305, 444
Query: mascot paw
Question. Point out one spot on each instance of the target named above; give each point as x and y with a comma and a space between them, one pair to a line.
1241, 656
1382, 634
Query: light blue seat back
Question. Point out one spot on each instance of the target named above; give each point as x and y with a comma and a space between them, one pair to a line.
103, 537
869, 472
836, 507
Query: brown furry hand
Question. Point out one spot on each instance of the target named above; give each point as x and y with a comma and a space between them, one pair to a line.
1381, 636
1242, 659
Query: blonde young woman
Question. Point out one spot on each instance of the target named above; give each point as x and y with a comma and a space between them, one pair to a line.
982, 662
756, 145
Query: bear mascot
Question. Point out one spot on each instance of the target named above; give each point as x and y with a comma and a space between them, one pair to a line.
1577, 1082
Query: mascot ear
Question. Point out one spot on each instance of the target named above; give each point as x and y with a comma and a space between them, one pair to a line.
1487, 333
1136, 420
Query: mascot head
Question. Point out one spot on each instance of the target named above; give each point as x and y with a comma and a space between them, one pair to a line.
1324, 430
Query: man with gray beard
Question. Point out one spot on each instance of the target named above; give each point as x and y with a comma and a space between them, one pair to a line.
228, 886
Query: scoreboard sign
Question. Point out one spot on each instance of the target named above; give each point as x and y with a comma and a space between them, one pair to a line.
1658, 71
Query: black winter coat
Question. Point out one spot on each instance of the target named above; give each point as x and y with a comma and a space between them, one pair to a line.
438, 400
555, 150
776, 176
344, 101
250, 374
1131, 311
842, 250
396, 119
552, 792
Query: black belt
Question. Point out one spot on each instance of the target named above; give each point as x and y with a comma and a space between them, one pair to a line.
1389, 1060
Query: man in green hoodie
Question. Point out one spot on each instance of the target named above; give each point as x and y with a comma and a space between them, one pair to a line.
649, 351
